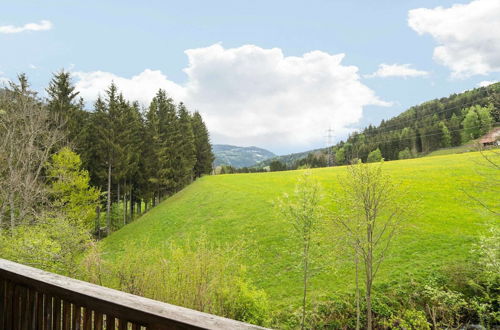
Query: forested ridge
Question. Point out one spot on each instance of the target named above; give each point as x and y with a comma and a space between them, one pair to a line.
441, 123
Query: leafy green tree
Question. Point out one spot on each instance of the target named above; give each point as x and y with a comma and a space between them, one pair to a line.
374, 156
485, 118
454, 125
446, 136
72, 196
304, 214
340, 156
370, 211
405, 154
477, 122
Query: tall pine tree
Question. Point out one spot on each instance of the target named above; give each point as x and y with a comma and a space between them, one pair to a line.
204, 155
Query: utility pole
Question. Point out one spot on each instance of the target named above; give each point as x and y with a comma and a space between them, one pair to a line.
329, 142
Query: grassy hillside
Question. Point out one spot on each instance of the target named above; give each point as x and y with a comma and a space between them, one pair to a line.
230, 208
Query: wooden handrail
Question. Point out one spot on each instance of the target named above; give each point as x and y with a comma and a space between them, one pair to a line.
31, 298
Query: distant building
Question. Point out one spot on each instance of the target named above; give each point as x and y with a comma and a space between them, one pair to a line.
492, 138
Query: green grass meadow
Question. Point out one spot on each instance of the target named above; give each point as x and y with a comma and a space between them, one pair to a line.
238, 209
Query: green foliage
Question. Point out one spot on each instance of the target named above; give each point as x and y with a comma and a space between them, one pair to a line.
478, 121
303, 212
64, 106
204, 155
374, 156
405, 154
230, 207
444, 306
52, 244
446, 139
408, 319
72, 196
196, 275
340, 156
276, 166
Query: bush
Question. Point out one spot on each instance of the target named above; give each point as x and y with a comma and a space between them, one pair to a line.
196, 275
52, 244
408, 319
374, 156
405, 154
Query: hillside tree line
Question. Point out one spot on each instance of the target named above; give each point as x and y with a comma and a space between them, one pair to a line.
134, 156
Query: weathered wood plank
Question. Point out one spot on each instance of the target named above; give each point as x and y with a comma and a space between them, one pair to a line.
77, 318
9, 290
17, 312
110, 322
122, 324
87, 318
98, 321
57, 314
31, 309
66, 318
3, 298
149, 313
49, 316
39, 310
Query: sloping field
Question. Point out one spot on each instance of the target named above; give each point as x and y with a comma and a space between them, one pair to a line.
239, 207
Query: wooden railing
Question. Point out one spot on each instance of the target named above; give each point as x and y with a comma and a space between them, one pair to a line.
34, 299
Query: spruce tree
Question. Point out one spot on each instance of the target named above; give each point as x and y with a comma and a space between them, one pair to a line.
64, 105
186, 148
204, 155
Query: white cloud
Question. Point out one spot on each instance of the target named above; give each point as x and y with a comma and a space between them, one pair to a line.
486, 83
467, 34
44, 25
255, 96
4, 81
396, 70
33, 67
141, 87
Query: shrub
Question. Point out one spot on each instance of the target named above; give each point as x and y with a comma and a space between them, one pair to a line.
374, 156
195, 275
405, 154
408, 319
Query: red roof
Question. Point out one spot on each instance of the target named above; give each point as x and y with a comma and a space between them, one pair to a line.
492, 136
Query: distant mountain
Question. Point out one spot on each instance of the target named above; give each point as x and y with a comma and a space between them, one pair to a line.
290, 159
239, 156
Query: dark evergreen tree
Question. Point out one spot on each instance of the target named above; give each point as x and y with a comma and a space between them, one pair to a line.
204, 155
187, 153
64, 105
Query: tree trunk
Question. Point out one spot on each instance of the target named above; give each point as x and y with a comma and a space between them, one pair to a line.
132, 205
306, 269
98, 222
108, 203
358, 310
369, 278
118, 194
139, 207
2, 212
124, 207
12, 212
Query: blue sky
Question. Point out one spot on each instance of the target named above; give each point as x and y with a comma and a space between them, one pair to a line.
117, 40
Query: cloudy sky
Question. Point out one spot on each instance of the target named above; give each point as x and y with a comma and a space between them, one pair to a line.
274, 74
